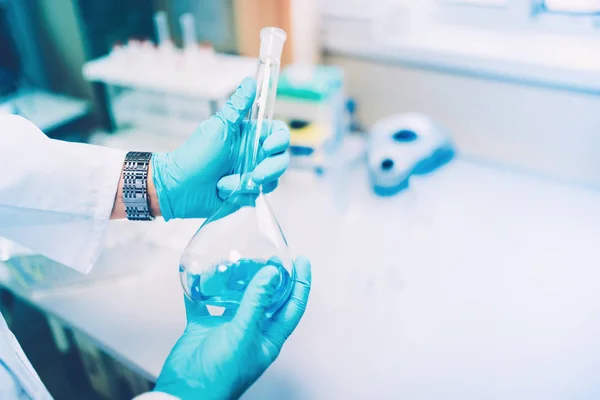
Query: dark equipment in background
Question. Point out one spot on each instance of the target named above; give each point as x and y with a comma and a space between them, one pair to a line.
107, 22
10, 64
20, 52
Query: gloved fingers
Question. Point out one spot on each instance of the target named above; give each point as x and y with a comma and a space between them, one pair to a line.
270, 187
194, 310
271, 168
229, 313
238, 105
266, 129
227, 185
278, 141
258, 296
287, 318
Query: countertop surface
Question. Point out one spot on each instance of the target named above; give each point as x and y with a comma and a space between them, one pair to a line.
476, 283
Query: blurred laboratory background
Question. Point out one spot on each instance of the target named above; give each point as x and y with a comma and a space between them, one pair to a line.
444, 181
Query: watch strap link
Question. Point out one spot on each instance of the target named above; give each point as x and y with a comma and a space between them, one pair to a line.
135, 186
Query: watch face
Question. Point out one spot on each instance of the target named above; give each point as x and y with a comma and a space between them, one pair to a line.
135, 186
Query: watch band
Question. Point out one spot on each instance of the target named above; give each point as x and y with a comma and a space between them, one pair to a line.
135, 186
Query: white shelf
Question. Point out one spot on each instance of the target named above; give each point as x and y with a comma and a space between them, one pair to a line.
544, 59
214, 80
508, 44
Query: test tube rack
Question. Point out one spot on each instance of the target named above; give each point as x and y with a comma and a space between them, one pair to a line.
164, 88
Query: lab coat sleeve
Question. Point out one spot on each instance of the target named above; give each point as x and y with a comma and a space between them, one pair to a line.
55, 197
8, 384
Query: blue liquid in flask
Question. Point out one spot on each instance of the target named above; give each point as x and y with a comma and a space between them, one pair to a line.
227, 282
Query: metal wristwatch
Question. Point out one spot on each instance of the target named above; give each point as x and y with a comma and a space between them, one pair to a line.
135, 186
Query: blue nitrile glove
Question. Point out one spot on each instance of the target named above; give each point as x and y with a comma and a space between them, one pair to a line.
221, 357
193, 181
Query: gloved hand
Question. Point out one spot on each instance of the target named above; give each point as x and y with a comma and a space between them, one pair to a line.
221, 357
193, 181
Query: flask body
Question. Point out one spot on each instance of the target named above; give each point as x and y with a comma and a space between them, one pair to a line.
230, 248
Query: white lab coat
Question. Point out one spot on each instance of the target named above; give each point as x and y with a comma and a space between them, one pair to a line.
55, 199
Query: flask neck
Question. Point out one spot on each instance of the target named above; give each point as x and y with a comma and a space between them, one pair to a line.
259, 123
251, 137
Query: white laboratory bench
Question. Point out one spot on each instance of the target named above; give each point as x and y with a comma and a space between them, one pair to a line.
476, 283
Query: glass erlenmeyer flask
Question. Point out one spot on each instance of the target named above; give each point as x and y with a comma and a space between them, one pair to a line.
243, 235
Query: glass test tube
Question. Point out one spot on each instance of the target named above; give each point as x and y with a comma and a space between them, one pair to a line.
162, 29
166, 64
188, 31
261, 114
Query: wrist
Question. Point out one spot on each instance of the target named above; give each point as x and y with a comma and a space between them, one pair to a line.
153, 202
159, 198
